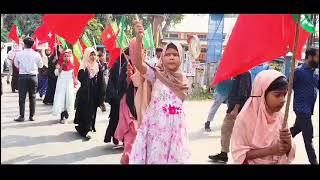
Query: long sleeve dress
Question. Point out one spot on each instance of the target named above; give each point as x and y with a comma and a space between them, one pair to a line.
88, 100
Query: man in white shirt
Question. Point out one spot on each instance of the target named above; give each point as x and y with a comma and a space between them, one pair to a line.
28, 61
155, 59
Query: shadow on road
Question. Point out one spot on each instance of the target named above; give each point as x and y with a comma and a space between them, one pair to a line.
15, 114
21, 158
22, 141
201, 134
76, 156
27, 123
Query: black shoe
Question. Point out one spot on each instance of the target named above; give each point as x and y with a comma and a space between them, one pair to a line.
103, 108
207, 126
66, 115
219, 158
19, 119
61, 116
31, 119
115, 141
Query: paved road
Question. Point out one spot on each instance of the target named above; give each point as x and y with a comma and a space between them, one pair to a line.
45, 141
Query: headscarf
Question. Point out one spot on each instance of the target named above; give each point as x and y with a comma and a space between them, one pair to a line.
65, 67
92, 67
176, 81
255, 128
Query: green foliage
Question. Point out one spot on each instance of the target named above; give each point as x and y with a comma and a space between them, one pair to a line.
27, 22
94, 30
199, 93
171, 19
275, 65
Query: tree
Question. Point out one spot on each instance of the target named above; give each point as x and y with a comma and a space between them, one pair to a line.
27, 22
172, 19
94, 30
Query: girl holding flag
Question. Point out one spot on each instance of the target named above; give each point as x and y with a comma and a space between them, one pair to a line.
162, 136
257, 136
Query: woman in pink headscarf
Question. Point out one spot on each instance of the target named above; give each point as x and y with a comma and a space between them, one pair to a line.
257, 136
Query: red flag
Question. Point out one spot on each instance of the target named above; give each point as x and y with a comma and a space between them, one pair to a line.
255, 39
43, 34
108, 38
109, 41
13, 34
114, 54
303, 37
68, 26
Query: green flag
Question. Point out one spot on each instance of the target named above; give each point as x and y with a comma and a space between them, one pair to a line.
305, 22
18, 27
148, 42
63, 42
122, 41
114, 27
77, 50
93, 40
86, 41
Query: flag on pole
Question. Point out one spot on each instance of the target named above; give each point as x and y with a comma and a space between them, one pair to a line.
62, 41
109, 41
259, 38
77, 51
122, 40
94, 41
148, 42
43, 34
15, 32
85, 39
68, 26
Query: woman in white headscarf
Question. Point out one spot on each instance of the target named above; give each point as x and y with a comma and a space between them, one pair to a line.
88, 96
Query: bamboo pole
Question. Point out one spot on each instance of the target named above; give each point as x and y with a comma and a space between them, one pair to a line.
285, 120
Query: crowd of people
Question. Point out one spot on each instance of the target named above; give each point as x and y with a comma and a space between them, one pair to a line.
146, 99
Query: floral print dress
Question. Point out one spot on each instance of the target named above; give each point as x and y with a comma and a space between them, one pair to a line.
162, 137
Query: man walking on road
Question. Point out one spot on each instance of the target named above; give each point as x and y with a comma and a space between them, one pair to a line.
28, 61
305, 85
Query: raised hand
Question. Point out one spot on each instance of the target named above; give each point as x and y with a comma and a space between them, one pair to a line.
139, 30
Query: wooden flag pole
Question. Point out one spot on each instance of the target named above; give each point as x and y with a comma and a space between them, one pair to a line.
293, 62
